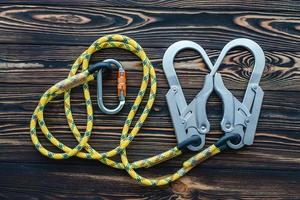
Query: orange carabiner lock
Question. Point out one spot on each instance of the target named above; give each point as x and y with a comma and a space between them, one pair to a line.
121, 88
121, 83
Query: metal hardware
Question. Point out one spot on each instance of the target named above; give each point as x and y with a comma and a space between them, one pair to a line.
189, 120
241, 117
121, 88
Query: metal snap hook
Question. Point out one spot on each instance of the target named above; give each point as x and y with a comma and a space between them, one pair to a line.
241, 117
121, 88
189, 120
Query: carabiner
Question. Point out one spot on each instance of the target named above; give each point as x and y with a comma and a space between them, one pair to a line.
121, 88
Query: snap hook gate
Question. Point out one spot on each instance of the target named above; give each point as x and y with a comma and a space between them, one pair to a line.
121, 88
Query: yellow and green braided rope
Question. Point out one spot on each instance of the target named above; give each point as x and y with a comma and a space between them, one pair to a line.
75, 79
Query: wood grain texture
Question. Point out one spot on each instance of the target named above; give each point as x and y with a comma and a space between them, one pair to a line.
152, 27
58, 181
284, 5
40, 40
53, 63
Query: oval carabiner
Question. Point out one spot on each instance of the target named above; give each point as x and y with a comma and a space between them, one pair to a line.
121, 88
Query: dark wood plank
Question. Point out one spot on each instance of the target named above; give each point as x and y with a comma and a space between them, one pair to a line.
39, 41
58, 181
51, 63
284, 5
151, 27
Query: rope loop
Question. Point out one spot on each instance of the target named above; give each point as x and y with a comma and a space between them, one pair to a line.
81, 75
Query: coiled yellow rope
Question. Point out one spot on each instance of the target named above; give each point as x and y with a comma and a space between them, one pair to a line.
75, 79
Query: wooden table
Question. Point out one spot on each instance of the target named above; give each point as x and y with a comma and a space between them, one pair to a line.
41, 39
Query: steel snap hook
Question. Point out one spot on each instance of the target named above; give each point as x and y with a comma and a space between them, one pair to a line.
189, 120
121, 88
241, 117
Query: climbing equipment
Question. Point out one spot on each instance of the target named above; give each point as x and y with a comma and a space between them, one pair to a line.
189, 120
121, 88
241, 117
87, 74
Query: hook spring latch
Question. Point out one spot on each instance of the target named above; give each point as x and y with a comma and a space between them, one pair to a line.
121, 88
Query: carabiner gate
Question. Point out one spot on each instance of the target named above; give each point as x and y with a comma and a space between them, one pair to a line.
121, 88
